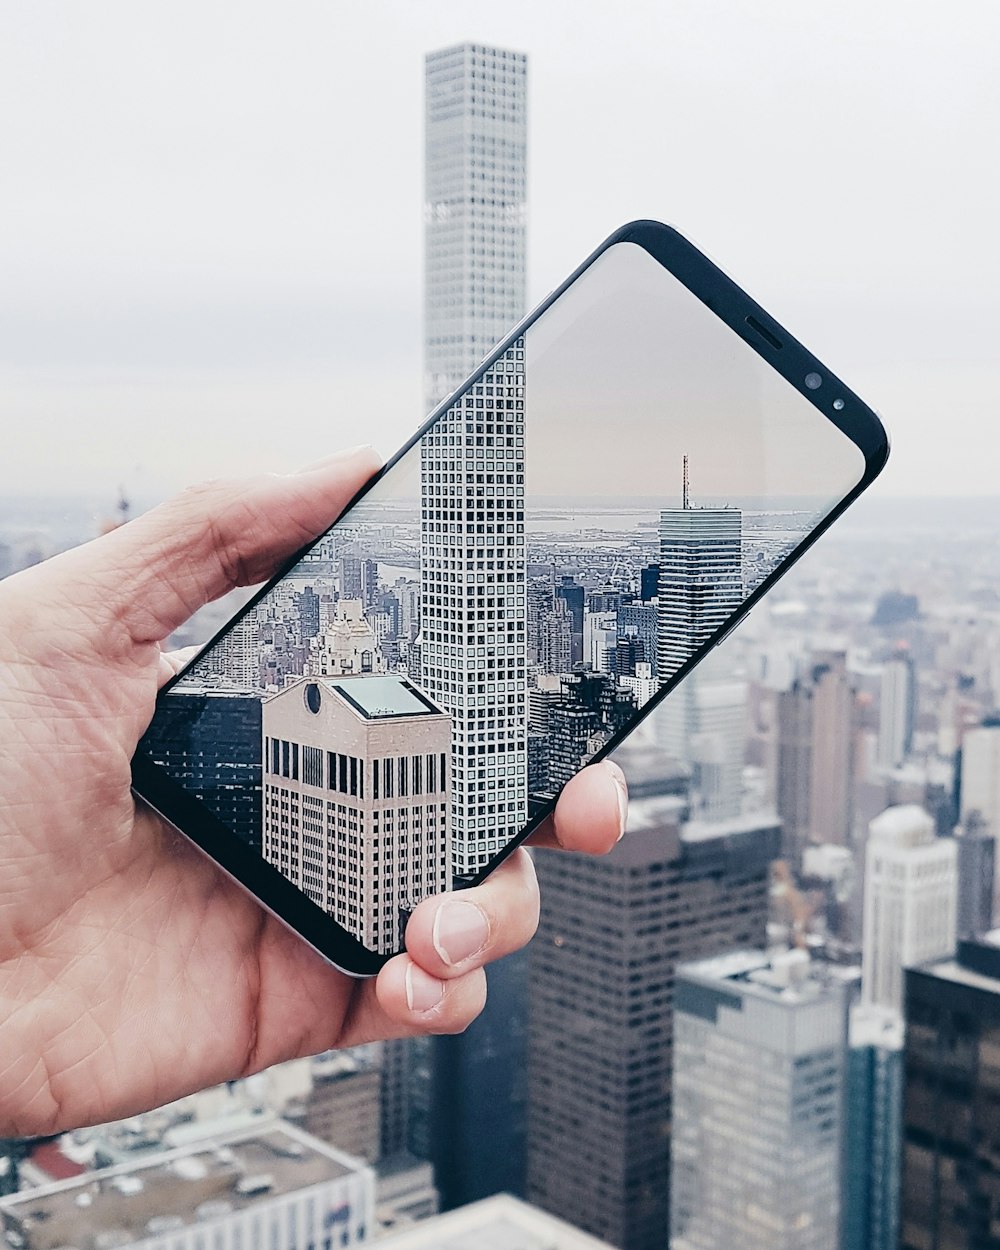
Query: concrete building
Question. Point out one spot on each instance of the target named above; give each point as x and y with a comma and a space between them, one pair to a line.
357, 796
271, 1185
976, 849
472, 576
473, 573
475, 214
815, 759
498, 1223
602, 971
951, 1127
343, 1106
910, 901
759, 1057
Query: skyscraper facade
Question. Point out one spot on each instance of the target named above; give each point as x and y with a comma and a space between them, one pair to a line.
759, 1053
951, 1128
472, 577
475, 213
910, 902
357, 799
980, 787
700, 580
602, 999
473, 574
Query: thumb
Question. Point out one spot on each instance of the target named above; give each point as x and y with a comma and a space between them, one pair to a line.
152, 574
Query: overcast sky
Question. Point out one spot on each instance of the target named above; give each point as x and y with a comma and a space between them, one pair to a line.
210, 221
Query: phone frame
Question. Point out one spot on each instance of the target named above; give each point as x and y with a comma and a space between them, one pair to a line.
775, 345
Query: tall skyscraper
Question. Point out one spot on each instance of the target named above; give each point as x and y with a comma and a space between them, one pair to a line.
951, 1128
571, 593
357, 800
897, 709
475, 207
911, 886
701, 579
759, 1056
602, 999
472, 577
815, 767
473, 573
873, 1111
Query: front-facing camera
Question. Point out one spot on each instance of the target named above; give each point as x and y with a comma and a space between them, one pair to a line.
814, 381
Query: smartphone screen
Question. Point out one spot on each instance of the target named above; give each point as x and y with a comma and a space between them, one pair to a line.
507, 599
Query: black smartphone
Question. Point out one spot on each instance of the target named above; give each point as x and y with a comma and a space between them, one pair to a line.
554, 550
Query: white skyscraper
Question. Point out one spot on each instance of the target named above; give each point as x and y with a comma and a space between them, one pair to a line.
472, 548
474, 208
472, 577
701, 578
759, 1058
911, 886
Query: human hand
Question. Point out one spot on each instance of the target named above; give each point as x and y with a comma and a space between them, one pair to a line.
132, 970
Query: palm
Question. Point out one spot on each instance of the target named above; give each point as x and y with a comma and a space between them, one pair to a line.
132, 970
164, 966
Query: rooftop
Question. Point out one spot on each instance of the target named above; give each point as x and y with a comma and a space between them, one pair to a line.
498, 1223
379, 696
194, 1184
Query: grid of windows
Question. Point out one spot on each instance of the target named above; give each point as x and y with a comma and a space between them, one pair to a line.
472, 567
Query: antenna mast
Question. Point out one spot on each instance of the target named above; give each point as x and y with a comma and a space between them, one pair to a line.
687, 487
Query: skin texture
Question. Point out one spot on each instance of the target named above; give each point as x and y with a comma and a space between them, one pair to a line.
132, 971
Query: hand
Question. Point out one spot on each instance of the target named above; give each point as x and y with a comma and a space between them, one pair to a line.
132, 971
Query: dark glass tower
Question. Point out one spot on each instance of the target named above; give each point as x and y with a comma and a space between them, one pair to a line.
601, 999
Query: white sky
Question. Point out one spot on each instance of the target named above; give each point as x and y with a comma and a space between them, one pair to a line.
210, 217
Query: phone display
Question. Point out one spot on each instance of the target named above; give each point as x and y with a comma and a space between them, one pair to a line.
557, 546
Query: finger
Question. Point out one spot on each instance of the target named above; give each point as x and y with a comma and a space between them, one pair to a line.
591, 812
171, 663
406, 1001
152, 574
451, 933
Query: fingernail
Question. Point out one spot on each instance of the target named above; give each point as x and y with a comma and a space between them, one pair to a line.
460, 931
423, 992
621, 794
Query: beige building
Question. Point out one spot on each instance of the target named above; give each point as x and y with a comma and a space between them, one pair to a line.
497, 1223
357, 792
348, 646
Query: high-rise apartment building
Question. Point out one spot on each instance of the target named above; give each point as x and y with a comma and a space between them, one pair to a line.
473, 617
911, 887
759, 1057
269, 1186
951, 1126
473, 646
475, 214
357, 799
602, 973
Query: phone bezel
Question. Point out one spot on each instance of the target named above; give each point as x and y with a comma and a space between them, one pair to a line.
733, 306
